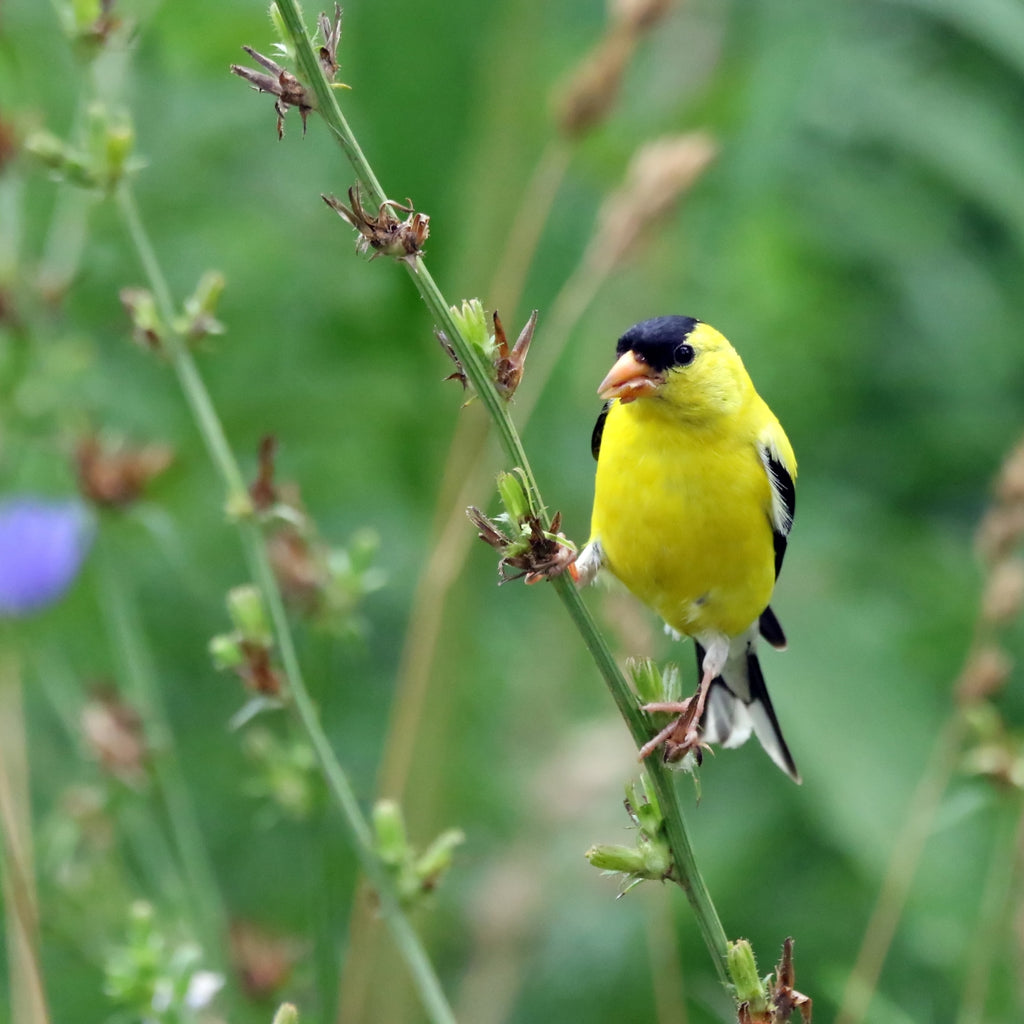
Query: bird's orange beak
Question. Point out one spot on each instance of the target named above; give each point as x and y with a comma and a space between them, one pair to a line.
629, 378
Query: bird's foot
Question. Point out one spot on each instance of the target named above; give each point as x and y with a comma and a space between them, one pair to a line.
682, 735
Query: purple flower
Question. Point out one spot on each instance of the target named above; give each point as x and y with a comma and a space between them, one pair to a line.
42, 546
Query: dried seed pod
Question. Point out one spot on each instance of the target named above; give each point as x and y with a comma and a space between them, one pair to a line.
658, 175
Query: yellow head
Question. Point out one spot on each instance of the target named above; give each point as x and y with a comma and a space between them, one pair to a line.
679, 364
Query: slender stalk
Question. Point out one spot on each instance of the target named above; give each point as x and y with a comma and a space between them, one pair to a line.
24, 966
467, 469
995, 911
527, 227
194, 390
128, 639
668, 983
151, 855
907, 850
688, 874
208, 422
465, 474
327, 105
469, 457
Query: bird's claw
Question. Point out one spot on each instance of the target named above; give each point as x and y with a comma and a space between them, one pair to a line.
681, 736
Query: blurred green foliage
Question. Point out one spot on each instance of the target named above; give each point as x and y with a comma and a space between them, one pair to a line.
860, 239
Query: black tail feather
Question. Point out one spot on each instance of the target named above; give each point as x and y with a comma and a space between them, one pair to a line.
740, 703
771, 629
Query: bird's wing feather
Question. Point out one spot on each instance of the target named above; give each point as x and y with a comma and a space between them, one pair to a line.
595, 437
771, 628
776, 458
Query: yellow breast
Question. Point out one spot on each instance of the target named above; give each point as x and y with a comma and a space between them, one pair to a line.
682, 512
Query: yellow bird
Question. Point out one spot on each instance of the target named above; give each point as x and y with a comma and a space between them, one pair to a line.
693, 504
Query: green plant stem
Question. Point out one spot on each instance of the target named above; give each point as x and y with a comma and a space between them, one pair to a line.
479, 375
906, 854
184, 366
208, 422
996, 909
128, 639
688, 874
27, 991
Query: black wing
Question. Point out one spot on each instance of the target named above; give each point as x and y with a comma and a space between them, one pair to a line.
595, 437
783, 502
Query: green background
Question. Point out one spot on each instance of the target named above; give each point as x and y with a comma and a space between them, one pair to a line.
860, 239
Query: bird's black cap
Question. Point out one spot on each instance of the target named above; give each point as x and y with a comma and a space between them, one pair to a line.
660, 342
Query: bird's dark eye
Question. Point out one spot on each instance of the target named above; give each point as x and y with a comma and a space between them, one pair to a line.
683, 355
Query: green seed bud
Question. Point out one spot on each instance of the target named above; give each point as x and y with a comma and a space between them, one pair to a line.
472, 324
118, 143
226, 651
513, 496
627, 859
437, 858
208, 291
47, 149
743, 972
647, 679
389, 826
248, 616
286, 1014
85, 13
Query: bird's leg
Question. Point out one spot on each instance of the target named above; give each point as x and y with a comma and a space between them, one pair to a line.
587, 564
682, 735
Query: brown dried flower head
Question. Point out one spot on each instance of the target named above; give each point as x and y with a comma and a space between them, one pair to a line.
263, 490
594, 87
263, 961
330, 32
1004, 592
384, 233
658, 175
115, 475
987, 670
783, 996
1000, 531
509, 363
257, 670
299, 566
297, 556
535, 554
280, 82
114, 735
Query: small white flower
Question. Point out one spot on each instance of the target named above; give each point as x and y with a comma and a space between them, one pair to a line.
202, 987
